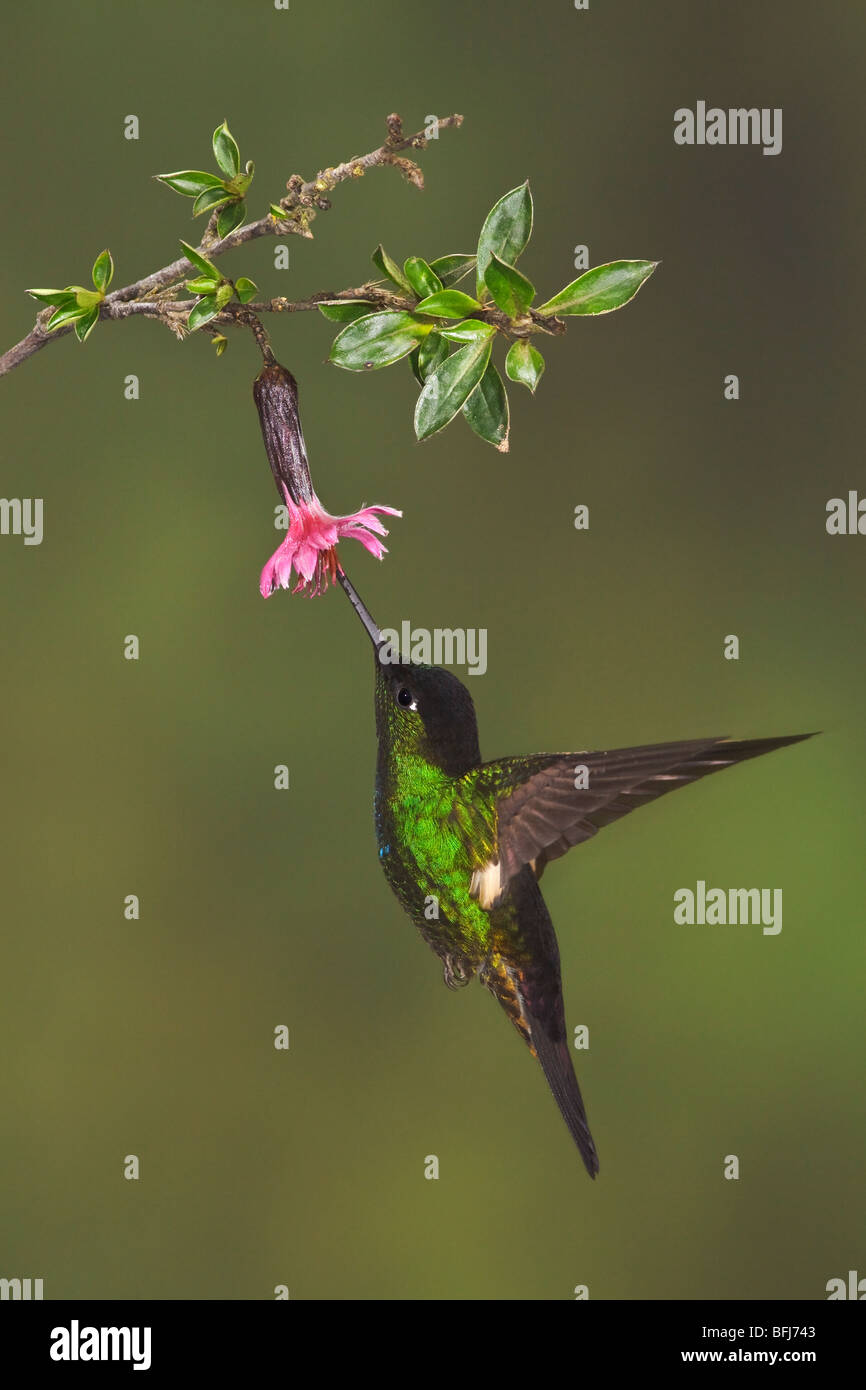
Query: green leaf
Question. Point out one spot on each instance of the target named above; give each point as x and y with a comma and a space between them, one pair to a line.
377, 340
429, 357
468, 331
413, 363
67, 314
209, 199
55, 297
446, 389
452, 268
226, 151
602, 289
224, 293
190, 182
345, 310
84, 324
524, 363
220, 342
420, 276
230, 216
241, 182
103, 271
203, 284
86, 299
277, 213
200, 262
486, 410
390, 269
507, 229
201, 312
245, 289
511, 291
448, 304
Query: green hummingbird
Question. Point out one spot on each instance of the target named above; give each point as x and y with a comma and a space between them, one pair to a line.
464, 843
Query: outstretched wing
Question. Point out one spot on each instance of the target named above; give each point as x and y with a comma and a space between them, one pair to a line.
548, 803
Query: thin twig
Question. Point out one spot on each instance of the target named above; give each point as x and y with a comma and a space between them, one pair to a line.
247, 316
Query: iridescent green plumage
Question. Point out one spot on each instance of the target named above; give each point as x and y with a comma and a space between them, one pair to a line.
430, 831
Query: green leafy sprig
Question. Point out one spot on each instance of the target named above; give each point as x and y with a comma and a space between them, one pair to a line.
214, 291
448, 335
226, 196
77, 305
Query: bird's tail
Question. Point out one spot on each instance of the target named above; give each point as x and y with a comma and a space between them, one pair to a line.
532, 999
555, 1059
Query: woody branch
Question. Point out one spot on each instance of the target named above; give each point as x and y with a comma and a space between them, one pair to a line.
302, 201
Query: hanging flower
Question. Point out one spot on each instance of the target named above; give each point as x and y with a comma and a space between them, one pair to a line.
309, 549
310, 546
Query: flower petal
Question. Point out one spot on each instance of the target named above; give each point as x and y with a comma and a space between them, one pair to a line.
367, 540
309, 545
306, 559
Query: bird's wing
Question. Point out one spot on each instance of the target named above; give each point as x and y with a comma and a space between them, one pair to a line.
546, 804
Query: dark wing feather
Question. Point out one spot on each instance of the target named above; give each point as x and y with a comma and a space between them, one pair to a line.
541, 813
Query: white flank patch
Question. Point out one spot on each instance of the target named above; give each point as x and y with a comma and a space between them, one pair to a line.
485, 884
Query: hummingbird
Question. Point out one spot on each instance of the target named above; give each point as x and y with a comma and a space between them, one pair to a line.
464, 843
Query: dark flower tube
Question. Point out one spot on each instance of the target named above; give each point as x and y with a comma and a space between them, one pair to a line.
310, 545
275, 393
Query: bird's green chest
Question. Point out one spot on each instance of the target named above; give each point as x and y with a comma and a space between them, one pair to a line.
427, 846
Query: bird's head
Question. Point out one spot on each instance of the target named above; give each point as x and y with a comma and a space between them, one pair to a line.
421, 711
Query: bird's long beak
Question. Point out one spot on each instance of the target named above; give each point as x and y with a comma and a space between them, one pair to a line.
346, 584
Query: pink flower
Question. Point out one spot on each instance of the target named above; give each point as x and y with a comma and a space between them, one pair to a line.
310, 546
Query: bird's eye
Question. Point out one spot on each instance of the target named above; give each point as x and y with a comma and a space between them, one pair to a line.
406, 698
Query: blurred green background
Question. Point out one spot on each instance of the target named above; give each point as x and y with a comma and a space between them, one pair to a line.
261, 907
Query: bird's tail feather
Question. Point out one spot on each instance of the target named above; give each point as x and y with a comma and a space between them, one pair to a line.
530, 992
555, 1059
